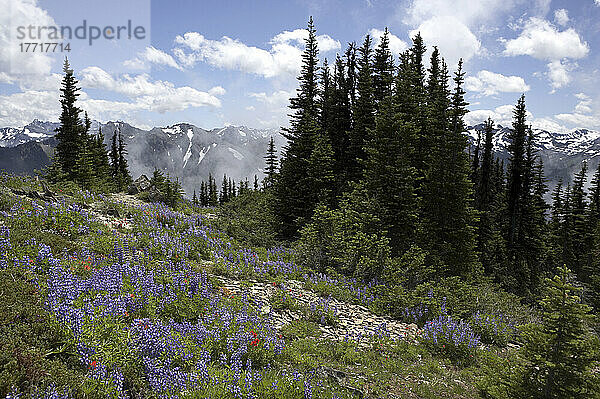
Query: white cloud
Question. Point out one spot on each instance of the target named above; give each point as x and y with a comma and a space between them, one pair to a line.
217, 91
558, 73
597, 2
580, 120
467, 11
149, 56
561, 16
14, 64
160, 96
453, 38
283, 58
541, 40
19, 109
397, 45
490, 83
157, 94
279, 98
502, 115
583, 116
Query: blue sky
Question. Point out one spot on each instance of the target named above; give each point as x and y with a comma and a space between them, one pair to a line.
213, 63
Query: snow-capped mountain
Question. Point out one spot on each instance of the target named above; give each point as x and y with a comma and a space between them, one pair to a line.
190, 153
35, 131
561, 153
183, 150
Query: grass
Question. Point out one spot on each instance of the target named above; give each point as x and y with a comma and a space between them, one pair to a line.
162, 271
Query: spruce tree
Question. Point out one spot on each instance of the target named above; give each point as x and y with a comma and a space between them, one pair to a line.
339, 126
389, 177
383, 69
294, 203
212, 191
224, 191
579, 213
271, 161
70, 131
559, 352
256, 183
114, 159
364, 112
321, 164
101, 161
124, 178
447, 190
489, 241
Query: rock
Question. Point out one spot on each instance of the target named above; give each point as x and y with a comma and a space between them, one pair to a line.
140, 184
265, 309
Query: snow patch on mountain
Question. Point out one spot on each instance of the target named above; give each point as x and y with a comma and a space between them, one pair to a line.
236, 153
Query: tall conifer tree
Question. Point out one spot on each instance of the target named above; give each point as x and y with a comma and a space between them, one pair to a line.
294, 203
70, 131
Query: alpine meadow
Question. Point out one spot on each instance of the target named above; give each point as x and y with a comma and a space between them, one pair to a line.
379, 234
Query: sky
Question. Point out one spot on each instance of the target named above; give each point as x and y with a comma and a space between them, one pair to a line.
213, 63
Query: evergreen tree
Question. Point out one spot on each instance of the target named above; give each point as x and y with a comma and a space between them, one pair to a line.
70, 131
447, 191
255, 183
101, 161
389, 177
489, 241
271, 160
364, 112
194, 198
224, 191
484, 186
294, 203
416, 103
212, 191
592, 236
383, 69
320, 170
124, 178
203, 194
579, 213
84, 169
339, 126
114, 158
559, 352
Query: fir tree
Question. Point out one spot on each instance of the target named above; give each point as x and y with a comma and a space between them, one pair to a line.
124, 178
579, 213
101, 161
224, 191
383, 69
271, 161
70, 131
389, 177
294, 203
339, 125
114, 158
321, 172
559, 352
446, 191
212, 191
364, 112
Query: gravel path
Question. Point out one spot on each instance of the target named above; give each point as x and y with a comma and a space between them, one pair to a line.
355, 321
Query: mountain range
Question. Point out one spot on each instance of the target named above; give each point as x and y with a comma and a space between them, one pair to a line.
190, 153
182, 150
